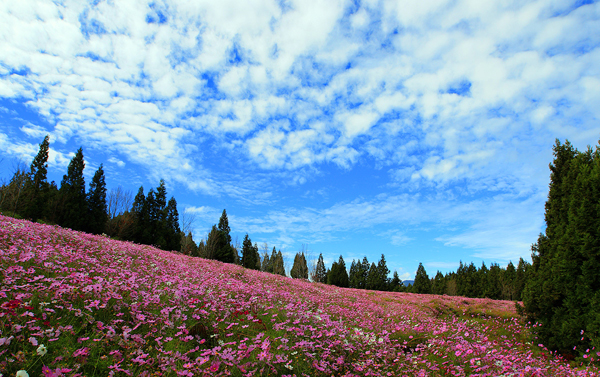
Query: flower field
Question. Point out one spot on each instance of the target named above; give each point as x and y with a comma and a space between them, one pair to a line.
73, 304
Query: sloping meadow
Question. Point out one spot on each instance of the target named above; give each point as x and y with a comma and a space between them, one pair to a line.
73, 304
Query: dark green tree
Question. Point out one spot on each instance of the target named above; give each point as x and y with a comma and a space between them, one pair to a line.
320, 271
396, 283
521, 278
224, 251
249, 254
422, 283
338, 275
96, 201
438, 286
170, 225
74, 213
382, 275
562, 291
299, 268
278, 265
494, 282
36, 189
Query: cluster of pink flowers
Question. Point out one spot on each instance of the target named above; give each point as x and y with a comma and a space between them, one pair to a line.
104, 307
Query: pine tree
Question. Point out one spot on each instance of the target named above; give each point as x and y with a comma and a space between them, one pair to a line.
270, 267
74, 213
248, 253
171, 226
395, 283
96, 200
493, 287
140, 215
320, 271
299, 268
382, 274
562, 290
508, 281
213, 241
338, 275
439, 284
520, 278
278, 265
422, 283
37, 188
265, 262
224, 251
372, 277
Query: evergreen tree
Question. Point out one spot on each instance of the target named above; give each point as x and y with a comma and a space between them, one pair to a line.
439, 284
278, 265
171, 226
422, 283
338, 275
96, 200
508, 281
270, 266
521, 278
482, 278
372, 277
266, 262
299, 268
214, 240
395, 283
320, 271
562, 291
140, 215
36, 188
248, 253
224, 251
493, 286
382, 275
74, 213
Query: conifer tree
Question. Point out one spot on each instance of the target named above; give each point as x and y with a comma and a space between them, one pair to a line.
278, 265
248, 253
493, 286
96, 201
224, 251
562, 291
439, 284
36, 189
521, 278
74, 213
320, 271
507, 282
140, 215
299, 268
382, 274
338, 275
395, 283
422, 283
372, 277
171, 226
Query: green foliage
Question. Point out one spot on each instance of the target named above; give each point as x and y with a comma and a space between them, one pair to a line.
74, 213
422, 283
299, 268
278, 265
223, 250
359, 272
250, 257
562, 290
36, 190
396, 283
96, 200
338, 275
320, 271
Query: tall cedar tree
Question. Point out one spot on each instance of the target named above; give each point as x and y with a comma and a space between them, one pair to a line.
249, 254
395, 283
74, 212
171, 226
270, 264
338, 275
422, 283
382, 274
320, 270
140, 216
224, 250
278, 265
37, 189
96, 200
299, 268
439, 284
562, 291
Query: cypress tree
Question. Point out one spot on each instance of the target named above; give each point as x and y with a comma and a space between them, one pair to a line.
224, 251
493, 286
171, 226
439, 284
520, 278
395, 283
248, 253
562, 291
139, 212
74, 213
372, 277
96, 200
382, 274
278, 265
422, 283
320, 271
299, 268
36, 188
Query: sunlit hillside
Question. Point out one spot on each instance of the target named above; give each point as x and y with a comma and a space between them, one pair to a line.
74, 304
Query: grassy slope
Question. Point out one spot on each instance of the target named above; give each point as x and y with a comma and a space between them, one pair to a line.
104, 307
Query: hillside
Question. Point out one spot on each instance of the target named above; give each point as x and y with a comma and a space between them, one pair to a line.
103, 307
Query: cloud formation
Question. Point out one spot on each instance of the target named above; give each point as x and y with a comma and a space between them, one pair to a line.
464, 97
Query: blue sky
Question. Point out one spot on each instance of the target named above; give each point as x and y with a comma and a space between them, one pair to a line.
418, 129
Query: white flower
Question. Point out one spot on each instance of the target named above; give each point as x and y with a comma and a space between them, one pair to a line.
42, 350
22, 373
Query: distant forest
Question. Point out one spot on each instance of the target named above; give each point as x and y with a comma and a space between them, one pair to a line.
560, 290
